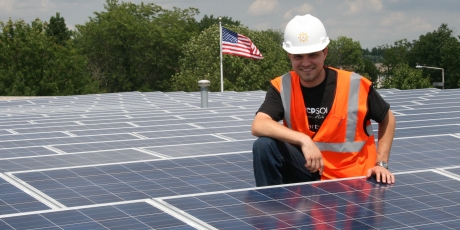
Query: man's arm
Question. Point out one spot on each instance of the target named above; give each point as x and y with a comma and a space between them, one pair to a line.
385, 139
264, 125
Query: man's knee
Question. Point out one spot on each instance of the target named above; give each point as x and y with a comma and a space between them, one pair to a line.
265, 147
263, 143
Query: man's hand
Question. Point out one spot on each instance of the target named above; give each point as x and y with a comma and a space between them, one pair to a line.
381, 175
313, 157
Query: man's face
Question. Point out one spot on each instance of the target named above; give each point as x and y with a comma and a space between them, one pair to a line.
309, 67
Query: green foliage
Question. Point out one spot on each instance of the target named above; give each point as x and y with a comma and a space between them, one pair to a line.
406, 77
430, 49
275, 35
435, 49
370, 70
57, 29
344, 53
135, 47
201, 60
143, 47
375, 54
395, 55
208, 21
450, 58
32, 64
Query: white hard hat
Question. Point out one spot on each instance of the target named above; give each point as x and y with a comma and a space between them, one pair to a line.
305, 34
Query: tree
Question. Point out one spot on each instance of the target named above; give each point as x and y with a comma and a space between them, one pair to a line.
395, 55
450, 58
275, 35
135, 47
431, 50
375, 54
208, 21
201, 60
57, 29
370, 71
344, 53
406, 77
32, 64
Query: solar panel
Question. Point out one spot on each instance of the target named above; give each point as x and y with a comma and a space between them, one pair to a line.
80, 159
454, 170
424, 152
157, 160
204, 148
148, 179
45, 141
353, 203
139, 215
14, 200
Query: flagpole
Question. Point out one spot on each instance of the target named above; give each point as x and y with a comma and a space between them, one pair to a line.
221, 66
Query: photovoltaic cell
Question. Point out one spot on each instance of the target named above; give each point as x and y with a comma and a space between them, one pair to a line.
124, 182
454, 171
344, 204
144, 143
433, 130
138, 215
196, 131
156, 128
204, 148
65, 140
436, 120
25, 152
14, 200
243, 135
70, 160
424, 153
69, 128
4, 132
11, 137
96, 136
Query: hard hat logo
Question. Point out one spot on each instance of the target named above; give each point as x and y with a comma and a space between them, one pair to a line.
303, 37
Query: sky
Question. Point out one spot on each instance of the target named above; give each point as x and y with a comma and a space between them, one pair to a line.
371, 22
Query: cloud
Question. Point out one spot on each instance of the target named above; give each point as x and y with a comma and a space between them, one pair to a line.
70, 26
6, 5
302, 10
399, 21
361, 6
262, 26
417, 24
392, 19
261, 7
27, 10
42, 5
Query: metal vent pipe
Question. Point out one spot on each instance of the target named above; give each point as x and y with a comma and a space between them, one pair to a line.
204, 84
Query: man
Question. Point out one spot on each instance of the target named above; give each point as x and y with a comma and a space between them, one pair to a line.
326, 131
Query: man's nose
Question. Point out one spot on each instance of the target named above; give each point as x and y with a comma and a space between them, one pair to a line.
306, 61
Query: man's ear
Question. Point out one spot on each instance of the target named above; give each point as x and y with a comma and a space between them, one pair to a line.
325, 51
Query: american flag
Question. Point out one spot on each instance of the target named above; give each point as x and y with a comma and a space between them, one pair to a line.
239, 45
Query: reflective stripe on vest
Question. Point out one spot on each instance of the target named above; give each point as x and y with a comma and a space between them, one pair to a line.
352, 114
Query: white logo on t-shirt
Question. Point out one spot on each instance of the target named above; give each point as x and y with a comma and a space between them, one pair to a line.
318, 114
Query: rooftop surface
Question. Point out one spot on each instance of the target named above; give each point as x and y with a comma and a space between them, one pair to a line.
159, 161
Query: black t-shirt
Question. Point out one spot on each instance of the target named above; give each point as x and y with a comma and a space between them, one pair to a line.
318, 101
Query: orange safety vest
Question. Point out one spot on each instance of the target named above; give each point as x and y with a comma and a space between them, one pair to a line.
347, 146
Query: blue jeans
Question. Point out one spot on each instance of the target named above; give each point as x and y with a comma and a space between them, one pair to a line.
276, 162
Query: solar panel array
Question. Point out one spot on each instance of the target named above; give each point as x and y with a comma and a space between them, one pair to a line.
159, 161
